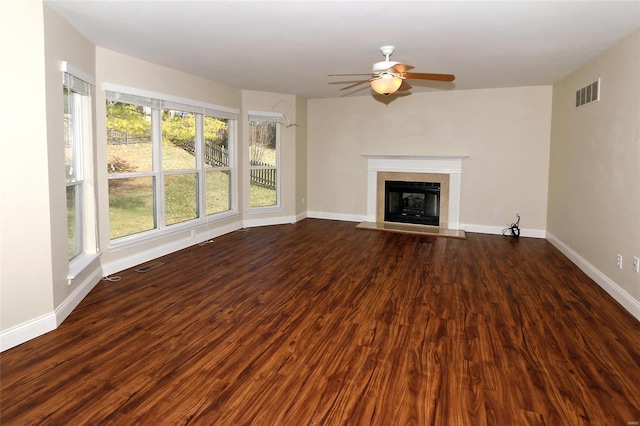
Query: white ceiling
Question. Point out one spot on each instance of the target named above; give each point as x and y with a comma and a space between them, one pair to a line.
291, 46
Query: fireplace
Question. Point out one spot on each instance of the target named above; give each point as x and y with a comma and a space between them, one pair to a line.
443, 170
412, 202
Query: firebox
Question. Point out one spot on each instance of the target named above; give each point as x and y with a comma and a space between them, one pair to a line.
412, 202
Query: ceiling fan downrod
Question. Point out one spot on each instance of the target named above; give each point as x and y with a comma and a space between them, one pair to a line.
387, 51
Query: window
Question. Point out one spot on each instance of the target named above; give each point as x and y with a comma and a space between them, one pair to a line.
179, 166
82, 244
217, 166
168, 162
77, 140
264, 159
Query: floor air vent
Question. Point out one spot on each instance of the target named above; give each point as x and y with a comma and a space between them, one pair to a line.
149, 266
588, 94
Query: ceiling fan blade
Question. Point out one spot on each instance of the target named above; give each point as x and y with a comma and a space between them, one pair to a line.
426, 76
355, 84
342, 75
404, 86
400, 68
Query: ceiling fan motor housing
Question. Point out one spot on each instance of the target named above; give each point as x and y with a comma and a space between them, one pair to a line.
379, 67
387, 51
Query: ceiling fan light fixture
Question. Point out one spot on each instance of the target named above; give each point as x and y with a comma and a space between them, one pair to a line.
386, 84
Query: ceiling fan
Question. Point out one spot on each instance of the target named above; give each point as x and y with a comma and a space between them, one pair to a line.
388, 77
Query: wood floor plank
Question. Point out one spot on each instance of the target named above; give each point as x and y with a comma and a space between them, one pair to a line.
320, 323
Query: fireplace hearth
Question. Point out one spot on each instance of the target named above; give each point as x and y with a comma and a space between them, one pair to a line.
412, 202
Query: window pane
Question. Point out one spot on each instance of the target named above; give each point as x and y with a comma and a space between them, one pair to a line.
131, 208
263, 188
128, 138
181, 197
73, 169
178, 140
218, 190
216, 135
72, 133
74, 220
262, 143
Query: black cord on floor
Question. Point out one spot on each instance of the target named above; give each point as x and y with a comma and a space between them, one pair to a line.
514, 229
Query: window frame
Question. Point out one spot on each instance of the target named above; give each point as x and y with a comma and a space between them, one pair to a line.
276, 118
80, 88
158, 102
229, 169
75, 179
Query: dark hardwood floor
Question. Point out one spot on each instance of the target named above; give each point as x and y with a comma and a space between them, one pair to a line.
320, 323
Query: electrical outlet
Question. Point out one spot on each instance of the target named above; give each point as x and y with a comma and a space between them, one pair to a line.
497, 212
619, 261
636, 265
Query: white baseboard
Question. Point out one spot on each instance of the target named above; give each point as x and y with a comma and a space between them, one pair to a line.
335, 216
497, 230
28, 330
74, 299
614, 290
33, 328
301, 216
481, 229
281, 220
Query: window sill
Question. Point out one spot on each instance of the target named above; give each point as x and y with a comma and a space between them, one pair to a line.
134, 240
79, 264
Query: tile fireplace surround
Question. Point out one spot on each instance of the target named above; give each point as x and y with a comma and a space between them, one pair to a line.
415, 168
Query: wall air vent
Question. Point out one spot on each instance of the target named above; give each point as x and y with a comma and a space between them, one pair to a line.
588, 94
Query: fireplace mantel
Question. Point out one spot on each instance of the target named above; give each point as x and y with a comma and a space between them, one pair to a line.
449, 165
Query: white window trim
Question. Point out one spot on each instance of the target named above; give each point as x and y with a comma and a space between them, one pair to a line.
79, 264
170, 98
89, 199
77, 72
277, 116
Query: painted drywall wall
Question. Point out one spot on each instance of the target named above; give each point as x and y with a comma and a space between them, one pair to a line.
594, 183
25, 226
504, 133
36, 295
62, 43
301, 157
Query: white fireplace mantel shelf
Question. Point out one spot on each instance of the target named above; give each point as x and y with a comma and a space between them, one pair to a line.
449, 164
415, 163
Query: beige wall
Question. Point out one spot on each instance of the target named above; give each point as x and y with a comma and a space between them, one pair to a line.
34, 229
62, 43
594, 191
504, 133
26, 224
34, 260
301, 156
